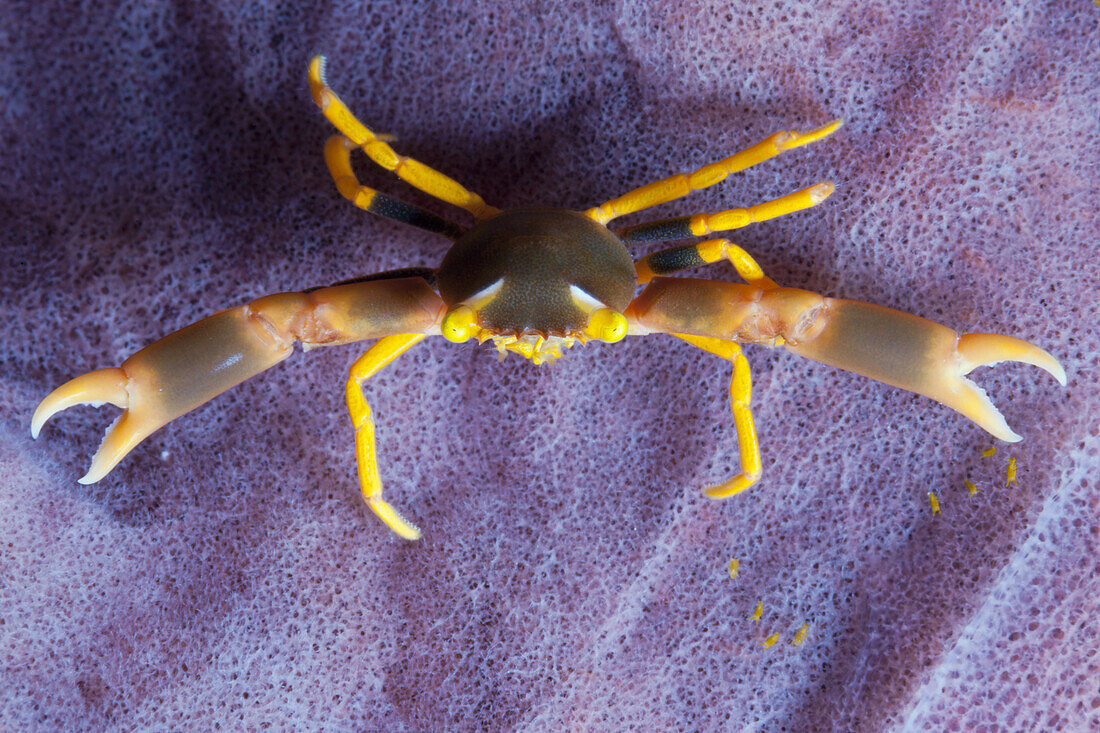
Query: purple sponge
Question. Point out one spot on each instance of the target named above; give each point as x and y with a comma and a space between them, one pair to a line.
163, 160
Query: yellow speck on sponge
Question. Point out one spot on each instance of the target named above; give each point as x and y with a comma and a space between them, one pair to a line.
801, 634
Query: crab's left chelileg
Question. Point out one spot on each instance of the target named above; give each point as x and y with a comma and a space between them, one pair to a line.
191, 366
370, 482
412, 171
740, 398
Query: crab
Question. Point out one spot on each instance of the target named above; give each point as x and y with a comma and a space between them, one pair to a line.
536, 282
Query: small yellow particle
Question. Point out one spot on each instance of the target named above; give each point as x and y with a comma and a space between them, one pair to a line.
733, 567
757, 612
801, 634
934, 502
770, 641
989, 451
970, 487
1010, 475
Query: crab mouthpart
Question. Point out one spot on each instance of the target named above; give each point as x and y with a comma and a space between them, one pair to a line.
539, 348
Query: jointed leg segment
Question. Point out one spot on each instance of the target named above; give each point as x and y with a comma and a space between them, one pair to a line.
681, 184
338, 158
740, 399
370, 483
413, 172
674, 259
724, 221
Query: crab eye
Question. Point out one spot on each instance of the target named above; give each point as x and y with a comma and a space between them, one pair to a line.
460, 324
607, 325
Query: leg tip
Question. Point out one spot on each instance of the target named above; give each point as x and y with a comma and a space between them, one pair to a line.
735, 485
797, 139
316, 77
821, 191
401, 526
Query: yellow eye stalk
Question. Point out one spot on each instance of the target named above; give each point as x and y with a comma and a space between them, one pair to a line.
606, 325
535, 281
460, 325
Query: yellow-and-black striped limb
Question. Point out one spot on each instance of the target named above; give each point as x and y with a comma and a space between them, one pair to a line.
724, 221
338, 159
681, 184
686, 256
412, 171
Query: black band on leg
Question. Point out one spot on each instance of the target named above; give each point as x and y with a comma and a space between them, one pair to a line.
657, 231
406, 213
668, 261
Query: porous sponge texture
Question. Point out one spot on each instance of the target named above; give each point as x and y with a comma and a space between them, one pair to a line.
163, 162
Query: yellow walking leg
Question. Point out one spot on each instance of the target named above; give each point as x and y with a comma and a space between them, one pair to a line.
736, 218
740, 398
681, 184
377, 356
724, 221
338, 159
413, 172
674, 259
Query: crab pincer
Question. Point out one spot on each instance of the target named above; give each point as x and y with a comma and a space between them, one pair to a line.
887, 345
191, 366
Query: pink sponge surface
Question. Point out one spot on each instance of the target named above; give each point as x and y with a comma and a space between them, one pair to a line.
162, 161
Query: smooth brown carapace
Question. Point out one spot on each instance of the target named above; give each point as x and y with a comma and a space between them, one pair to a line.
536, 282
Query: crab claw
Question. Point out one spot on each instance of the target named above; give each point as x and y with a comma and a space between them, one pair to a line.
918, 355
96, 388
187, 368
168, 378
985, 349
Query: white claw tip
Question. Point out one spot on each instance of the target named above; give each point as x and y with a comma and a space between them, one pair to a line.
1058, 373
821, 191
43, 413
101, 466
